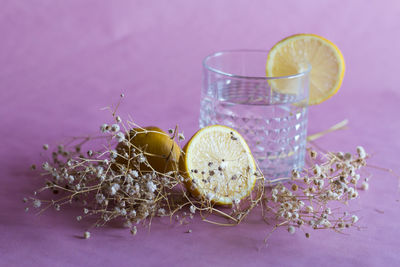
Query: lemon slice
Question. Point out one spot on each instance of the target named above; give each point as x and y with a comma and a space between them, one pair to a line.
293, 54
218, 165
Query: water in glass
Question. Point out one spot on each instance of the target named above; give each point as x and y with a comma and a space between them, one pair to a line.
274, 124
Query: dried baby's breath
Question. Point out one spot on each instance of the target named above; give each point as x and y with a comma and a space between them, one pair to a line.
89, 170
86, 235
106, 187
312, 197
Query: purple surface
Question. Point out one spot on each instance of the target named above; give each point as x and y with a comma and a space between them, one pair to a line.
61, 61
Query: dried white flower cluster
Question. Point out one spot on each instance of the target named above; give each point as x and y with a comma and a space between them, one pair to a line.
106, 188
309, 199
117, 181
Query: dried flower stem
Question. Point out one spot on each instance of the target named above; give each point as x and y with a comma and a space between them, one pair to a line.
115, 183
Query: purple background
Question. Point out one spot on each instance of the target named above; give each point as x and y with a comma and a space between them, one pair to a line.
61, 61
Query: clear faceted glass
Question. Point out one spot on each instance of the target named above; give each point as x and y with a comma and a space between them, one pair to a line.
270, 112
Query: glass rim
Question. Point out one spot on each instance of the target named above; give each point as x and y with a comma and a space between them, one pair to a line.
219, 53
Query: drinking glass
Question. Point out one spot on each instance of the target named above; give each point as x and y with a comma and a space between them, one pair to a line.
269, 112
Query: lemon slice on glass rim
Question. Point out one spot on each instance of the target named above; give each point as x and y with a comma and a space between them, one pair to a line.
293, 54
218, 165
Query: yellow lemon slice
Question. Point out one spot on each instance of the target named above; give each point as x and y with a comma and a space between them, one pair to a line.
218, 165
293, 54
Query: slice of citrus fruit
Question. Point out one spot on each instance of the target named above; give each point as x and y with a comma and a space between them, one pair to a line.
218, 165
293, 54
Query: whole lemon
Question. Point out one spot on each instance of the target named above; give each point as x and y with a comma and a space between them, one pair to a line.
160, 150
